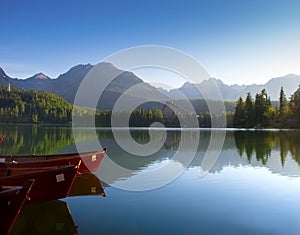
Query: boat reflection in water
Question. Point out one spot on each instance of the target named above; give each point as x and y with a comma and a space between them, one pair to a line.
39, 186
87, 185
54, 178
12, 199
51, 217
54, 217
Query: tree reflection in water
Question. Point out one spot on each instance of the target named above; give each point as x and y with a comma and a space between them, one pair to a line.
261, 143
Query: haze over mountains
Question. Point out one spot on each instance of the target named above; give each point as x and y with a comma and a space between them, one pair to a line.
290, 83
66, 85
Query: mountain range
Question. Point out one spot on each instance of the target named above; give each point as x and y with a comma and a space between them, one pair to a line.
66, 85
289, 82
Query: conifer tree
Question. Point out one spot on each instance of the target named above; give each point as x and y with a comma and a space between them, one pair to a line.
239, 115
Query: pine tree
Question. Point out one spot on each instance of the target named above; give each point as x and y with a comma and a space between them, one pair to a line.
283, 106
264, 112
249, 111
294, 108
239, 115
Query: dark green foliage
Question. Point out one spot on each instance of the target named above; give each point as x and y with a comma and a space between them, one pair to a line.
293, 117
19, 106
261, 113
249, 114
239, 115
138, 118
283, 106
264, 112
249, 111
205, 119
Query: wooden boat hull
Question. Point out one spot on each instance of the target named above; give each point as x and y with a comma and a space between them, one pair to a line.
11, 202
14, 171
90, 162
49, 184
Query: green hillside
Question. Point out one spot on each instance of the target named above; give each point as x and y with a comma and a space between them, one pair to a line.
31, 106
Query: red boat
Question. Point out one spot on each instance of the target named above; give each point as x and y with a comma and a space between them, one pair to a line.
12, 198
50, 184
90, 162
14, 171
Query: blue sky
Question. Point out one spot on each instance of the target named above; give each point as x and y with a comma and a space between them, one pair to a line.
241, 42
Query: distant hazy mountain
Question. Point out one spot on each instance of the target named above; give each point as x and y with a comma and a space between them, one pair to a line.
208, 89
66, 85
290, 83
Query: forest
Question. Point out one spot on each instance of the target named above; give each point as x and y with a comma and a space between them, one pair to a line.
23, 106
20, 106
259, 112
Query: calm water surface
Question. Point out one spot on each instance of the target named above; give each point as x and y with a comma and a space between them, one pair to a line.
254, 187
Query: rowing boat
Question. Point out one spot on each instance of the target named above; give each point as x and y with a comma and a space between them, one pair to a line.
90, 162
50, 184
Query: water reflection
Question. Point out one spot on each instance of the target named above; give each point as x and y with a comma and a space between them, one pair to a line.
246, 180
54, 217
34, 139
51, 217
263, 147
261, 144
87, 185
276, 150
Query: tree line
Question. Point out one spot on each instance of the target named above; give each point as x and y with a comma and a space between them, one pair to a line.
31, 106
20, 106
259, 112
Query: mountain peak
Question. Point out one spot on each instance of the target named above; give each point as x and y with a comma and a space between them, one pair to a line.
82, 67
41, 76
79, 70
213, 80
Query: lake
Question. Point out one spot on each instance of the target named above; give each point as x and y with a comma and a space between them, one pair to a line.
252, 188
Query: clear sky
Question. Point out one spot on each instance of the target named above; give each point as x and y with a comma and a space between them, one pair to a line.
237, 41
